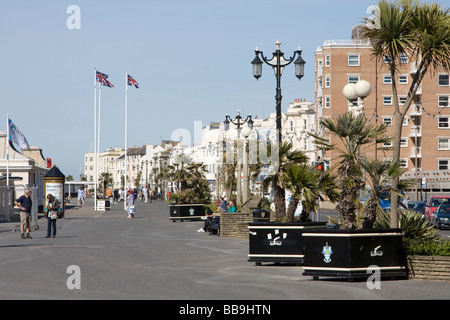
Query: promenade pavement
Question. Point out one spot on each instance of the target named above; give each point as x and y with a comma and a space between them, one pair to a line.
151, 257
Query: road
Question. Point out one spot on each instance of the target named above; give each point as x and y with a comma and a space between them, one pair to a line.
150, 257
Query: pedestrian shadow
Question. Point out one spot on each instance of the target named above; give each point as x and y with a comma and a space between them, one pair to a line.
19, 245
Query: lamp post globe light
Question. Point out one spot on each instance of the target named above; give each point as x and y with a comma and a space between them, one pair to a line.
354, 91
278, 63
239, 123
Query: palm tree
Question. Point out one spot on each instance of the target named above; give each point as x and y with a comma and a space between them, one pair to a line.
307, 185
194, 185
179, 173
380, 175
420, 31
286, 157
105, 179
353, 132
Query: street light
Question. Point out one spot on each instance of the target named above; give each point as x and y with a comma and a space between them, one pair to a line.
239, 122
246, 131
278, 63
353, 91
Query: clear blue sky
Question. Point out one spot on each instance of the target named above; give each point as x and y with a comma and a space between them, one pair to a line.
191, 59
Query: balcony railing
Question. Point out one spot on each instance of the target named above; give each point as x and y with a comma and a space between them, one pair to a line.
416, 152
415, 131
415, 110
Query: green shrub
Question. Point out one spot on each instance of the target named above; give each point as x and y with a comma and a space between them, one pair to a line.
430, 247
411, 224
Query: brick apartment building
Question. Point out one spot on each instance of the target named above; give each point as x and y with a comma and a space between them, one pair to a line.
425, 144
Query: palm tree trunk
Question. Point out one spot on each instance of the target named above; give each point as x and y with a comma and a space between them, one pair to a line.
280, 203
398, 122
370, 213
293, 203
347, 207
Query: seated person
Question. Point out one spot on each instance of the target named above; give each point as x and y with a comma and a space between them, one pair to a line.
232, 207
207, 222
223, 205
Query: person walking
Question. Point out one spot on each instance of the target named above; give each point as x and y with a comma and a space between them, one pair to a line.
150, 195
80, 196
52, 215
130, 204
24, 204
145, 193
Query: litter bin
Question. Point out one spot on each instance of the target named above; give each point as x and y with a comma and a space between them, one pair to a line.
261, 215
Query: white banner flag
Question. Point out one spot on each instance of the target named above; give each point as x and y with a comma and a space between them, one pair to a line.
17, 136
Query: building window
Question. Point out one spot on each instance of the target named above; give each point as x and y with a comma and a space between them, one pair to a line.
402, 79
404, 143
387, 79
327, 102
443, 80
442, 164
353, 60
387, 100
387, 121
404, 58
443, 144
404, 163
401, 101
387, 144
327, 60
327, 81
353, 79
443, 122
443, 101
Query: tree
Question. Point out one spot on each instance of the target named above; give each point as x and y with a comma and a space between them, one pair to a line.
421, 32
307, 186
105, 179
179, 173
287, 156
195, 186
353, 132
379, 176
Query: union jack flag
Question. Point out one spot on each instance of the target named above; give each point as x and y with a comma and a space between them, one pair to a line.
101, 78
106, 83
132, 82
101, 75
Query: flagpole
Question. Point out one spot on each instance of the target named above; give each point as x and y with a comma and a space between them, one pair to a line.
98, 129
126, 132
95, 139
7, 151
7, 168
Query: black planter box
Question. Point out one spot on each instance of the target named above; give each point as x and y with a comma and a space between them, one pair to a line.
193, 212
349, 254
278, 242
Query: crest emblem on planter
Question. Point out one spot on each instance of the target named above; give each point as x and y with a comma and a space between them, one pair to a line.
191, 211
327, 252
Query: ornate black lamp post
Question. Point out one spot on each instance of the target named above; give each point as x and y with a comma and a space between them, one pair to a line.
278, 63
239, 122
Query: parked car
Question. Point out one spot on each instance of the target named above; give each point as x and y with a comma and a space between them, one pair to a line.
432, 203
441, 217
418, 207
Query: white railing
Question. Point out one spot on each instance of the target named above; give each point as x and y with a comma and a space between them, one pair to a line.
416, 152
415, 110
415, 131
